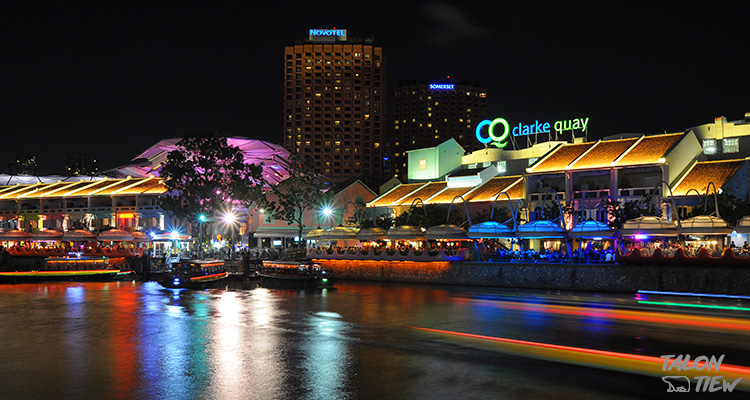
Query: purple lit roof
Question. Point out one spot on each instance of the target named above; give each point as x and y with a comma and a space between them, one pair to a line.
271, 156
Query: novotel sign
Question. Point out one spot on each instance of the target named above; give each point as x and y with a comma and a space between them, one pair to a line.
442, 86
498, 130
327, 34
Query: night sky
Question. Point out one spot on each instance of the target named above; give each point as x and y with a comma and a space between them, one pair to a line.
110, 79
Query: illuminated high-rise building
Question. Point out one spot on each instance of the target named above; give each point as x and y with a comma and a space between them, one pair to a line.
335, 103
426, 113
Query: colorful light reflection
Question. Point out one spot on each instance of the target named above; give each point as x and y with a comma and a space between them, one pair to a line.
622, 362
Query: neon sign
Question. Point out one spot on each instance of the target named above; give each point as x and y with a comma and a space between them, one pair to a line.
522, 129
328, 33
442, 86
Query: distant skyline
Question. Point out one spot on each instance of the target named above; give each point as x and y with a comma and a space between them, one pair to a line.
110, 80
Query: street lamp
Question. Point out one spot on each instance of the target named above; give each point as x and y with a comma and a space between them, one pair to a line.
229, 219
201, 220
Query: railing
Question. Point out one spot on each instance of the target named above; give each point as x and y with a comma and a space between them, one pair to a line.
356, 253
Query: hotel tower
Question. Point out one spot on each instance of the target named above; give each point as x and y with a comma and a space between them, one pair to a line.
335, 103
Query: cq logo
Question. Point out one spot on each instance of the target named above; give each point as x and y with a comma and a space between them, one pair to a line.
498, 141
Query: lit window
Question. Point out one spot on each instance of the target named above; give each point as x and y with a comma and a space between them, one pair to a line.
422, 164
731, 145
709, 146
532, 160
501, 166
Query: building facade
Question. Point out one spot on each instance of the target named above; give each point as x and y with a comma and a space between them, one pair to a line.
425, 112
335, 103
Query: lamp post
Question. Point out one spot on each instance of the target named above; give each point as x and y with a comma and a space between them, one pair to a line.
201, 219
229, 219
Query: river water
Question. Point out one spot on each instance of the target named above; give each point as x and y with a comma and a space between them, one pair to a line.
134, 340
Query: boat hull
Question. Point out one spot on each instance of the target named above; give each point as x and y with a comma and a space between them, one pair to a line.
195, 282
58, 276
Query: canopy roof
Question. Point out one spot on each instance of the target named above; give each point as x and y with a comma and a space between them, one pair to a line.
47, 235
446, 232
705, 225
743, 225
115, 235
653, 226
273, 157
371, 234
540, 229
490, 230
591, 229
406, 232
78, 235
15, 234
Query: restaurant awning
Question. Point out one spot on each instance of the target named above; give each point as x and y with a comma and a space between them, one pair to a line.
15, 234
78, 235
649, 226
591, 229
339, 233
140, 237
743, 225
405, 232
446, 232
314, 234
371, 234
705, 225
48, 235
490, 230
116, 235
540, 229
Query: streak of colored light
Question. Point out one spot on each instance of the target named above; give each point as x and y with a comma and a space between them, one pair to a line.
665, 303
725, 296
623, 362
692, 321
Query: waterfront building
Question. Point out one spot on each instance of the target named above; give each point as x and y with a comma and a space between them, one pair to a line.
673, 168
433, 112
127, 204
270, 232
724, 139
335, 104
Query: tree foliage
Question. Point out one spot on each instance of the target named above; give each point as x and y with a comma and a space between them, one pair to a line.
731, 208
621, 212
304, 189
436, 215
205, 174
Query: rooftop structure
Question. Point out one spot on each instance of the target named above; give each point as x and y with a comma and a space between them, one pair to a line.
272, 157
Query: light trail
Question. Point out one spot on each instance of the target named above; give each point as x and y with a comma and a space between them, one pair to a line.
666, 303
693, 321
615, 361
723, 296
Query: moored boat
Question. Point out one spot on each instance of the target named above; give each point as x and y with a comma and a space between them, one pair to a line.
295, 274
73, 267
195, 274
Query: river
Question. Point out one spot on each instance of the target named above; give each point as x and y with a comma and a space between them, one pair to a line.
137, 340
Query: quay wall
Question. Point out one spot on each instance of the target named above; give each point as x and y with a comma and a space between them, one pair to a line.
620, 278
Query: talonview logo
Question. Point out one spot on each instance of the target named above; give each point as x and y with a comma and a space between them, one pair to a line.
703, 383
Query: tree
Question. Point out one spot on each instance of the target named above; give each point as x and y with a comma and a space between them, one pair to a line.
205, 174
303, 190
622, 212
731, 208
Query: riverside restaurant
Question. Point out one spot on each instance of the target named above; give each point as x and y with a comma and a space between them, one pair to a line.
562, 208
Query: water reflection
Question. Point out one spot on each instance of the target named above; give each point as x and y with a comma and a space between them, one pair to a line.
129, 340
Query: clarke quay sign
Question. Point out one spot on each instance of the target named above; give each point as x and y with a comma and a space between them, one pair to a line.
498, 136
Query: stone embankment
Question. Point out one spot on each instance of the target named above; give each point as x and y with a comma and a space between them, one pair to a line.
583, 277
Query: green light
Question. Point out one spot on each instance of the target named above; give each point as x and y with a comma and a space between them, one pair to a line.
661, 303
202, 217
